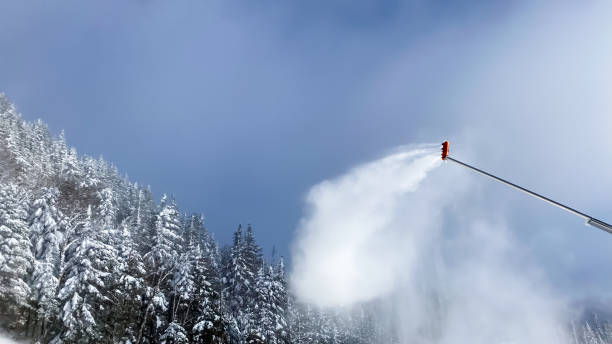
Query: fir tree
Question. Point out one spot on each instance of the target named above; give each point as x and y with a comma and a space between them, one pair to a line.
107, 209
252, 254
270, 305
46, 238
174, 334
14, 157
589, 336
165, 242
209, 326
183, 285
15, 254
83, 294
239, 283
281, 303
165, 239
65, 160
128, 288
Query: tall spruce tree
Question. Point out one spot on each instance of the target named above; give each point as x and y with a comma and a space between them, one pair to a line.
252, 254
129, 286
16, 257
270, 325
47, 237
83, 294
165, 242
208, 324
239, 285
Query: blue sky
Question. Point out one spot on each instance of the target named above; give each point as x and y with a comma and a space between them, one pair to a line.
238, 108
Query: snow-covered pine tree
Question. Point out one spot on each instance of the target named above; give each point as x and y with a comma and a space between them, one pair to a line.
14, 158
231, 328
134, 203
165, 240
235, 273
252, 253
128, 287
183, 285
142, 215
326, 330
40, 145
194, 230
588, 335
260, 328
281, 292
73, 199
46, 237
15, 254
310, 325
91, 178
598, 328
214, 253
107, 209
239, 283
208, 322
211, 255
174, 334
607, 328
209, 326
209, 250
83, 293
269, 325
65, 161
297, 320
165, 243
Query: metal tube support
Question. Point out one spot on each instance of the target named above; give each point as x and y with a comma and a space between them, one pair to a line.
600, 224
589, 220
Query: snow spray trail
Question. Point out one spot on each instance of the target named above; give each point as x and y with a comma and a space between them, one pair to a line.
348, 218
442, 267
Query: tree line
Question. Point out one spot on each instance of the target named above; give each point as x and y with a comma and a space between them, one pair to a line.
89, 257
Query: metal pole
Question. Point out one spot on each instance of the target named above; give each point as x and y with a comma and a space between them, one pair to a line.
590, 220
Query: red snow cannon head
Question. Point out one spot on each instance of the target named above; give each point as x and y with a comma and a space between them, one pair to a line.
444, 149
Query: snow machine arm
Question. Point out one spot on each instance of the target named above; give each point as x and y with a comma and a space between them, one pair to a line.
589, 220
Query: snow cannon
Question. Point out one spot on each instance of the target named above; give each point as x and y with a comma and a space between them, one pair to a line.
591, 221
444, 150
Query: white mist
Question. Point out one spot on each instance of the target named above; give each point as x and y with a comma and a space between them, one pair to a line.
443, 266
343, 240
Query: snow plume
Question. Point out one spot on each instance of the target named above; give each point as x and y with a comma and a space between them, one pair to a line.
438, 267
344, 236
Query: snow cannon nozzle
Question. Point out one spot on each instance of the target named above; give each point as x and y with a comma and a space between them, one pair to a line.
444, 149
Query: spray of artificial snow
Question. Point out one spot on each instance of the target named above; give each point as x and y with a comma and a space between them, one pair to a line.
344, 237
447, 269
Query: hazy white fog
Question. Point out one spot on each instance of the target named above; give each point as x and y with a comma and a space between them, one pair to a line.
376, 233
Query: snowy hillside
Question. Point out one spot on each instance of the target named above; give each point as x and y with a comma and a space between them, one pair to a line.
89, 257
